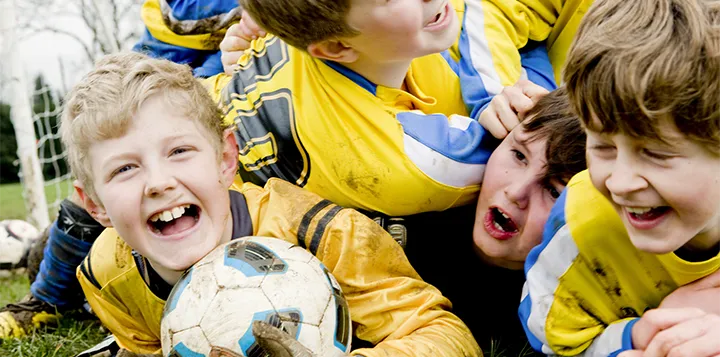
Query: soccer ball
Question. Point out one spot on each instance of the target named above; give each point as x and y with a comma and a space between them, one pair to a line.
255, 278
16, 238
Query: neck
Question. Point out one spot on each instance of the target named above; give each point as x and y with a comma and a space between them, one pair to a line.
704, 246
383, 74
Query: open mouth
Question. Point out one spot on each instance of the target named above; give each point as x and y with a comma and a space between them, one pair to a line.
173, 221
499, 224
646, 217
439, 17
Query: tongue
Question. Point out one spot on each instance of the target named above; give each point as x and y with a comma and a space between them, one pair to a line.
178, 225
651, 214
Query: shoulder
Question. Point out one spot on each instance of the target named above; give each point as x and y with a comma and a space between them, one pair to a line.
588, 214
109, 258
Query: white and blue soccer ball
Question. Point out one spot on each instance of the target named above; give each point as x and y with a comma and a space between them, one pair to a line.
255, 278
16, 239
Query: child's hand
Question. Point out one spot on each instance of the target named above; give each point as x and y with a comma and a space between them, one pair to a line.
277, 342
703, 294
508, 109
237, 39
676, 332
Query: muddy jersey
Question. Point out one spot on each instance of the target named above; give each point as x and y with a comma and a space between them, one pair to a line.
390, 306
587, 284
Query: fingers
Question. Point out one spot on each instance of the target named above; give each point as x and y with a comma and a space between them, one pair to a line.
251, 29
232, 47
531, 90
490, 120
693, 337
277, 342
654, 321
631, 353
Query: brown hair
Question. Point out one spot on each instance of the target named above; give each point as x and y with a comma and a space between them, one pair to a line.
301, 22
636, 63
552, 119
103, 104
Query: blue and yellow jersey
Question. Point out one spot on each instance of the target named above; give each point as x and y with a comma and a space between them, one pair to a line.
319, 125
187, 31
326, 128
587, 284
503, 41
390, 306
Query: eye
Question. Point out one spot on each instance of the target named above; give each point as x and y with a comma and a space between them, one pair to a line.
655, 155
180, 150
121, 170
554, 193
518, 155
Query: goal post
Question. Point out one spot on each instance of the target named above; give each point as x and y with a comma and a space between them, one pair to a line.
22, 120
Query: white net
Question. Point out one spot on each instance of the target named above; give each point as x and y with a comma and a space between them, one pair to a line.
50, 151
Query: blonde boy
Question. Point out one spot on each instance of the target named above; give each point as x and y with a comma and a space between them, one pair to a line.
644, 77
154, 163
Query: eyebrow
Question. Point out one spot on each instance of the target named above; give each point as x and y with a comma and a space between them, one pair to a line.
522, 142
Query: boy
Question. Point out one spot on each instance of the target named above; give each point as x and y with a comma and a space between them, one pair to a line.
644, 77
397, 164
154, 163
477, 245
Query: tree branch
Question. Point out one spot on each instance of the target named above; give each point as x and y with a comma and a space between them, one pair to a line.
88, 52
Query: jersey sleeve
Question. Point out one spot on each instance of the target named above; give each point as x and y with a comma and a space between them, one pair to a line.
556, 321
187, 32
390, 305
130, 333
500, 43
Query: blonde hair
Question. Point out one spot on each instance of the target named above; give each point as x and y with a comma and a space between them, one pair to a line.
103, 104
301, 22
636, 63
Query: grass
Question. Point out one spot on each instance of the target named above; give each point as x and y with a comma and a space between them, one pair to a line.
12, 204
72, 335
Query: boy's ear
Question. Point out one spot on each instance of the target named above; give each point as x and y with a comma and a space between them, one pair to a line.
229, 159
333, 50
97, 211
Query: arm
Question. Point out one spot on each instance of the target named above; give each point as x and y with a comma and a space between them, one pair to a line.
390, 305
555, 320
187, 32
502, 42
130, 334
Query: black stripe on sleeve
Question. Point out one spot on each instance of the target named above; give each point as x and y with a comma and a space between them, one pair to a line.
86, 269
305, 223
320, 230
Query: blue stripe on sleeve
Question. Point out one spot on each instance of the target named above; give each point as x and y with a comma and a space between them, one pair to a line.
472, 145
204, 63
474, 93
200, 9
536, 62
555, 221
626, 338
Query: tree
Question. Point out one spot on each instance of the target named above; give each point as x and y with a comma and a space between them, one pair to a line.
8, 147
99, 26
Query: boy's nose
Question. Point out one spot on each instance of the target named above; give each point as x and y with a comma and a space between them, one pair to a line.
518, 193
624, 179
158, 183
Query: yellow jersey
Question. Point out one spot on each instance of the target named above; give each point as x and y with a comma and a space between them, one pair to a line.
390, 306
587, 284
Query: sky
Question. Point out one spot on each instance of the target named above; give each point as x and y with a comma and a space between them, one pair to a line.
41, 52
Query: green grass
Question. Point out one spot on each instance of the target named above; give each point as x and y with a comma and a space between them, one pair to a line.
12, 204
73, 334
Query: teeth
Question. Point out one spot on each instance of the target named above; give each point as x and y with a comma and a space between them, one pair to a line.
169, 215
638, 210
504, 215
497, 226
